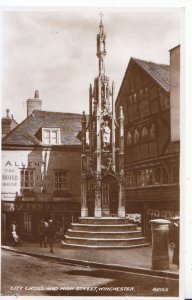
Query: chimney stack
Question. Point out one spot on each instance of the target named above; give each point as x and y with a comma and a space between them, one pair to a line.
36, 94
34, 104
7, 123
175, 93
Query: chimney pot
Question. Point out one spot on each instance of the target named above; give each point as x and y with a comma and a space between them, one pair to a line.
36, 94
8, 112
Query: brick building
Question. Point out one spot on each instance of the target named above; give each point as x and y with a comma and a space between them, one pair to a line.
41, 170
149, 95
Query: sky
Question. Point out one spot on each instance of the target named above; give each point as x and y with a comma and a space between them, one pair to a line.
54, 51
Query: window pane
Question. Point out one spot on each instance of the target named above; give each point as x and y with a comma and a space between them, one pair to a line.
47, 136
61, 180
54, 135
27, 179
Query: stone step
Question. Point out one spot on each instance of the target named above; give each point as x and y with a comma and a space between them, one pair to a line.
104, 241
107, 234
103, 220
67, 245
74, 246
103, 228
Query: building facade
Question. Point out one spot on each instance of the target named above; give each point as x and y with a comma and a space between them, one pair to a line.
151, 154
41, 167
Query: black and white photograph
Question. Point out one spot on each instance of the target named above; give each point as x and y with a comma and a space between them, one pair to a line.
90, 159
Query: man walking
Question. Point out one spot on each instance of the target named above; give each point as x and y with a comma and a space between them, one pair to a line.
42, 233
51, 230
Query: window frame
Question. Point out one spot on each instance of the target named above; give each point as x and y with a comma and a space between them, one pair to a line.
51, 131
23, 180
63, 183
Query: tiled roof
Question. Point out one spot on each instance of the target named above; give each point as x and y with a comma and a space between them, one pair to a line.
26, 132
159, 72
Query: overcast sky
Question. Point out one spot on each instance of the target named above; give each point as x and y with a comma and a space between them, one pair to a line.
55, 52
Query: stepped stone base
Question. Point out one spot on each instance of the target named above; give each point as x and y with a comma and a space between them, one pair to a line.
105, 232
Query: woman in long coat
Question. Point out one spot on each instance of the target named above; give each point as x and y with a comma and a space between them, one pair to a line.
51, 231
175, 239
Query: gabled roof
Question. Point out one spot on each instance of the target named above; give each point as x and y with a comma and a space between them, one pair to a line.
159, 72
25, 133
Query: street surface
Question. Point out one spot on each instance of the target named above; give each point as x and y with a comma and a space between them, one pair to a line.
29, 276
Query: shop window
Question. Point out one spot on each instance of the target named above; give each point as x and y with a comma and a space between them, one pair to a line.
61, 180
152, 177
27, 180
51, 136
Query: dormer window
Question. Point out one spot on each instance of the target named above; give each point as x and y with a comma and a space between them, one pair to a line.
51, 136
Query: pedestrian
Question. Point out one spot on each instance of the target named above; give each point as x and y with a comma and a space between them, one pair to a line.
14, 235
51, 231
46, 237
174, 231
42, 233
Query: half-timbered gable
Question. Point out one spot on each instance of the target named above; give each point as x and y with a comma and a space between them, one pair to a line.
151, 159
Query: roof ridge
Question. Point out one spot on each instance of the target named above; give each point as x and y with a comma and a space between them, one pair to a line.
56, 112
148, 61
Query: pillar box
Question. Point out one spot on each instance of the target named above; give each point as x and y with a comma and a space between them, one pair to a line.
160, 253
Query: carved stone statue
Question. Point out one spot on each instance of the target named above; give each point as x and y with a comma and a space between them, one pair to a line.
106, 135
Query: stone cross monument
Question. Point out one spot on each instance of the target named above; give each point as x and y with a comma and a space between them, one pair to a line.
102, 176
